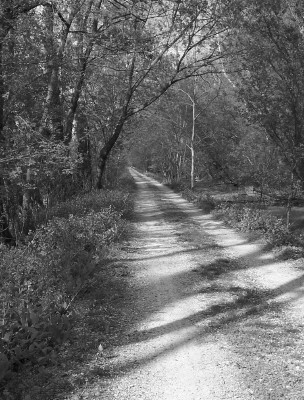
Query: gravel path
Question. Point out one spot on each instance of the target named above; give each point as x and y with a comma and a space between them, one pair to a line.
208, 316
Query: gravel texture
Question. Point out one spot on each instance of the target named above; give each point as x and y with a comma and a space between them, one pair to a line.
206, 315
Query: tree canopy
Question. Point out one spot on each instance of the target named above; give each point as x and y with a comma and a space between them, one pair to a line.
201, 88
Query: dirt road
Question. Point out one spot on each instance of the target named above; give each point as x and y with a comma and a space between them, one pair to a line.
208, 316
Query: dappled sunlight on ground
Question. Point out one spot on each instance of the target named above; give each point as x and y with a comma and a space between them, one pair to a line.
207, 315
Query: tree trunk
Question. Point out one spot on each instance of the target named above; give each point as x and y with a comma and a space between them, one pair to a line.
5, 235
289, 200
52, 118
1, 92
192, 144
76, 95
26, 206
84, 58
106, 150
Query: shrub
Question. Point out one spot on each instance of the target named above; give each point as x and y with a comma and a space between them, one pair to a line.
70, 245
206, 203
189, 195
120, 201
38, 282
174, 184
248, 218
290, 252
126, 183
30, 305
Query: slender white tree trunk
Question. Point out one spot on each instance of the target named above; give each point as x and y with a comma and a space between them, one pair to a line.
192, 144
289, 201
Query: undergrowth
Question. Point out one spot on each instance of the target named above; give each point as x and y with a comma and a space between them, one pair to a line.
251, 218
247, 217
41, 278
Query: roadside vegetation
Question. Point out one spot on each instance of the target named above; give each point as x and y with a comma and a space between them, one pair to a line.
44, 278
282, 228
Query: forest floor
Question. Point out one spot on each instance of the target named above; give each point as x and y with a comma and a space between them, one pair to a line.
196, 311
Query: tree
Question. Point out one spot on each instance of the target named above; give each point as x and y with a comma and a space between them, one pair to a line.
9, 14
269, 73
165, 134
159, 42
32, 66
158, 142
74, 74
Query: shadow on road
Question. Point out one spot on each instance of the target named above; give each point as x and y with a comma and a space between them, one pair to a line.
233, 304
240, 304
249, 305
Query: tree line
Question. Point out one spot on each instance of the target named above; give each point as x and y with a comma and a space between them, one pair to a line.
193, 88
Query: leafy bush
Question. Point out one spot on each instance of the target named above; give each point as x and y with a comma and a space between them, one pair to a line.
40, 280
70, 245
120, 201
30, 304
248, 218
291, 252
174, 184
206, 203
126, 183
189, 195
